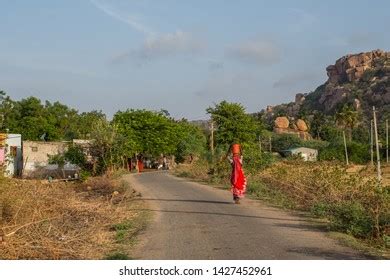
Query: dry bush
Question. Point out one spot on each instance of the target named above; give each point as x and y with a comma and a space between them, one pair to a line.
355, 203
42, 220
198, 170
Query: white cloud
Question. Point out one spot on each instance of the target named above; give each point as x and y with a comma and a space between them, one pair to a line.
261, 52
131, 20
164, 45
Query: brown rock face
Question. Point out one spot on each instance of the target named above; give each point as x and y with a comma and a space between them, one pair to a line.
333, 95
350, 68
299, 98
299, 129
302, 126
282, 122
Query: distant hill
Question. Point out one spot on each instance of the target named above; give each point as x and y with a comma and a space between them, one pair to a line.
359, 80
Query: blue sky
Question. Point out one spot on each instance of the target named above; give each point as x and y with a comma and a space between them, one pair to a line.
182, 56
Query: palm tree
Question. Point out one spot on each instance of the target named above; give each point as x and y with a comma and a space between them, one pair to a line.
348, 118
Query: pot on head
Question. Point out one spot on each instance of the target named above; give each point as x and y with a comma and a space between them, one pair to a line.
236, 149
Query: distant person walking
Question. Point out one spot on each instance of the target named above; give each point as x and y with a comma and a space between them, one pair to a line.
165, 163
237, 178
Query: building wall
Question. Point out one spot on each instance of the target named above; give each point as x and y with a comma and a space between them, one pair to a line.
306, 153
11, 154
36, 154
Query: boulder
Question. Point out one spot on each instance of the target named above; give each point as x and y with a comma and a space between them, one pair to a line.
302, 126
351, 67
282, 122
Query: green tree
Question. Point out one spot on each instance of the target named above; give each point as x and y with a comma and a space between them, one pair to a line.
191, 140
29, 118
233, 124
148, 132
348, 118
85, 121
109, 147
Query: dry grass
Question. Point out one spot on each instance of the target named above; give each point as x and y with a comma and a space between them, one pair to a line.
62, 220
198, 170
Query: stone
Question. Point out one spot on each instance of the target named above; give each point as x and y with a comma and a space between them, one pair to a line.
351, 67
332, 96
302, 126
299, 98
282, 122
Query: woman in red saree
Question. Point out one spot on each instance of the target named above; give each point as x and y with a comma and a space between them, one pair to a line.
237, 178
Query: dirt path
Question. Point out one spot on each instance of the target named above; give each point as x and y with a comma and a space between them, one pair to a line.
194, 221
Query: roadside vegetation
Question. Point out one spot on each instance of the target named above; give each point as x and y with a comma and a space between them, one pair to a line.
64, 220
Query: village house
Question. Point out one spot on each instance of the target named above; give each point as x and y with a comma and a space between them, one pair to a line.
307, 154
37, 156
11, 154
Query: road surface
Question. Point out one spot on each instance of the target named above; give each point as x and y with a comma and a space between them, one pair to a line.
193, 221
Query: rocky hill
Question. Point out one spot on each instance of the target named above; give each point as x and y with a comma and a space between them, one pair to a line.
359, 80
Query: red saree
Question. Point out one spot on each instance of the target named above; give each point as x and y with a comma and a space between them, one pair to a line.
238, 179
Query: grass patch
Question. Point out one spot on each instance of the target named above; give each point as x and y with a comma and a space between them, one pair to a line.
117, 256
126, 233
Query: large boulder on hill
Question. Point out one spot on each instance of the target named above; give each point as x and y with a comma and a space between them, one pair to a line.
301, 125
361, 80
351, 67
282, 122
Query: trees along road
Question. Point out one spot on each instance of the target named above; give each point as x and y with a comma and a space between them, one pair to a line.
192, 221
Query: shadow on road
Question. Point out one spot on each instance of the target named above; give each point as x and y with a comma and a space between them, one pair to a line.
218, 214
185, 200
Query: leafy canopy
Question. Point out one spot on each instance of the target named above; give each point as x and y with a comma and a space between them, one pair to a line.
233, 124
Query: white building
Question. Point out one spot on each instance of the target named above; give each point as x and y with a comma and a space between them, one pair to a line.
307, 154
11, 156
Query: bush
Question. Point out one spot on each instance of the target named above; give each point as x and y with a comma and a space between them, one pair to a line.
75, 155
354, 203
357, 152
352, 218
285, 141
254, 160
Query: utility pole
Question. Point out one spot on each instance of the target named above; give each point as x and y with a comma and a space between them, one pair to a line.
345, 147
212, 137
270, 144
378, 167
387, 141
372, 142
260, 144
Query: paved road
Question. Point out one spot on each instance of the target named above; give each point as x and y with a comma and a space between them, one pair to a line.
194, 221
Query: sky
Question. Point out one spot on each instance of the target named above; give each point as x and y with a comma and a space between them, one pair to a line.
180, 55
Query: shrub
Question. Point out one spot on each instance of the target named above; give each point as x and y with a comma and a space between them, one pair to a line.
285, 141
357, 152
352, 218
75, 155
